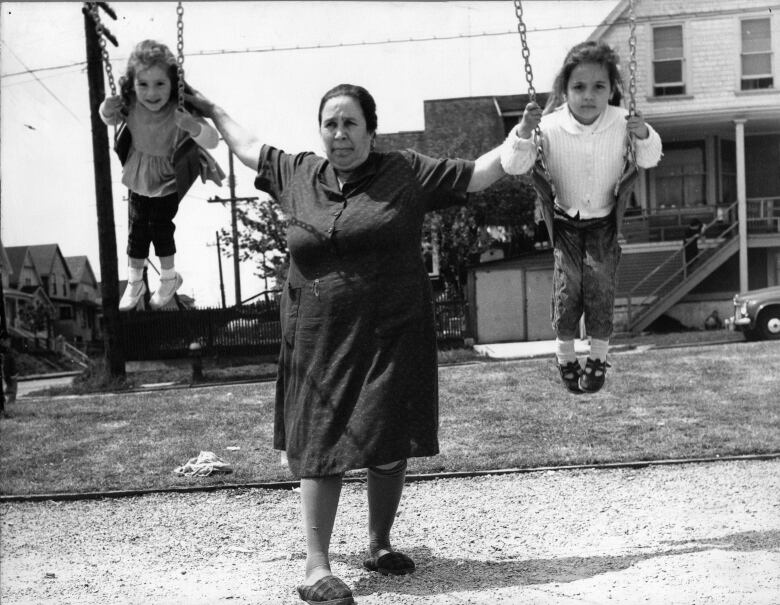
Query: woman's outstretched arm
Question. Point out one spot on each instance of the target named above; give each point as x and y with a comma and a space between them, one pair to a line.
243, 143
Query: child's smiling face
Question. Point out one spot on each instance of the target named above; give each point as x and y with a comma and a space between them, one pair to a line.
152, 87
588, 92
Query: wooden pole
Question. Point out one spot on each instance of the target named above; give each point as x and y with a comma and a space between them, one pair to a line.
109, 275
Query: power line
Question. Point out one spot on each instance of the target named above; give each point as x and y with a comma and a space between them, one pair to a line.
410, 40
46, 88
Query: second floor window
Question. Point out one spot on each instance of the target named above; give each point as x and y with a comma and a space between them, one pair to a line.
756, 54
668, 77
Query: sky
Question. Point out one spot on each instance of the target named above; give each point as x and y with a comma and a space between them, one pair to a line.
268, 64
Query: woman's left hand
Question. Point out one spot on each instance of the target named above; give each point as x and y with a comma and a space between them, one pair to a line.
636, 125
185, 121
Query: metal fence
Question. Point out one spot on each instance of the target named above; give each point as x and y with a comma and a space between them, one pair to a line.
246, 330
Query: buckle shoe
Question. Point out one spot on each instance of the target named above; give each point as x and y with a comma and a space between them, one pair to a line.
593, 376
570, 375
165, 291
133, 293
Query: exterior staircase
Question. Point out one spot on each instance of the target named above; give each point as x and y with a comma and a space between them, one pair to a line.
680, 277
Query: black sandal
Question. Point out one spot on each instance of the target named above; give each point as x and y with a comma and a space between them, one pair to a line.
326, 591
570, 375
593, 375
391, 563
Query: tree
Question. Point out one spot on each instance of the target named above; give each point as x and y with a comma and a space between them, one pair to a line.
35, 317
262, 239
462, 230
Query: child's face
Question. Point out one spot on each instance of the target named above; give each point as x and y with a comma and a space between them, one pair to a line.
152, 87
588, 92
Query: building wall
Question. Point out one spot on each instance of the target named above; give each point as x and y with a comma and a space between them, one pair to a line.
712, 45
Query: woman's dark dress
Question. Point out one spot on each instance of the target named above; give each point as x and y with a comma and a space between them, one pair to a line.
358, 383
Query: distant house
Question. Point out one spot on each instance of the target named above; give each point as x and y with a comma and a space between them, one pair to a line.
708, 80
24, 291
65, 287
84, 327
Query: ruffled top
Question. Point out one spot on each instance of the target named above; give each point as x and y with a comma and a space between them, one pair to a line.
149, 167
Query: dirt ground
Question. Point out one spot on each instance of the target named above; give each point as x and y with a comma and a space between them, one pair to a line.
706, 533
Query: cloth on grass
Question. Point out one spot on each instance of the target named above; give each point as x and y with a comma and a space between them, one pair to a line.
204, 465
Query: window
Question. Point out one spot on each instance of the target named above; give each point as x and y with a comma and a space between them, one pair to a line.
668, 61
756, 54
681, 176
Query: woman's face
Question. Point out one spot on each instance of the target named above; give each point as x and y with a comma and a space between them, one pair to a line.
588, 92
152, 87
345, 137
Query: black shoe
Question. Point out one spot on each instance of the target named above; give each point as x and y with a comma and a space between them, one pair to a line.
570, 375
592, 378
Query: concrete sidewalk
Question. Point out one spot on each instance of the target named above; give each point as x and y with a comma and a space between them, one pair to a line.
526, 350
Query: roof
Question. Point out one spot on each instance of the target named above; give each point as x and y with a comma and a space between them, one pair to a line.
80, 268
16, 256
609, 20
43, 256
5, 262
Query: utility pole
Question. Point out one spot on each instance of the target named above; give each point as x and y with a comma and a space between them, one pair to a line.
234, 222
219, 261
109, 280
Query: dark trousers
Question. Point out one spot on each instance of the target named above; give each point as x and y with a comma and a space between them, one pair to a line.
586, 256
150, 220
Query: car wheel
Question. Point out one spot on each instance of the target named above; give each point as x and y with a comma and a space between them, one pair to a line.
768, 323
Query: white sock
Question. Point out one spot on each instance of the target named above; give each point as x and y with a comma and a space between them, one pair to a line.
135, 274
564, 350
168, 273
598, 349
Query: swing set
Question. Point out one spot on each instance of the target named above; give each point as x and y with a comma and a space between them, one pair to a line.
543, 182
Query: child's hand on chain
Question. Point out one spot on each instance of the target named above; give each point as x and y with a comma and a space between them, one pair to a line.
530, 120
636, 125
112, 106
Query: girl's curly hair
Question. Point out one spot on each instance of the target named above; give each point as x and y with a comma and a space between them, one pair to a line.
146, 54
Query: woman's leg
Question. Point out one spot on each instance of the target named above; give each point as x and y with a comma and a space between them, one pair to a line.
319, 502
385, 486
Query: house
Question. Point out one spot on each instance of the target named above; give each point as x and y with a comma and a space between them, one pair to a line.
65, 288
25, 298
84, 327
707, 78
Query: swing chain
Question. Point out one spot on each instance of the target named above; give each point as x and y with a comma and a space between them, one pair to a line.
180, 53
632, 65
93, 11
521, 29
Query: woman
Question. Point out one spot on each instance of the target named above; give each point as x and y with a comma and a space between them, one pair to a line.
357, 384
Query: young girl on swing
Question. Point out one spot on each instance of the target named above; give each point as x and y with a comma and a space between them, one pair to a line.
153, 170
583, 138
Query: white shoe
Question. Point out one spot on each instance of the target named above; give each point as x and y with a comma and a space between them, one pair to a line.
165, 291
133, 293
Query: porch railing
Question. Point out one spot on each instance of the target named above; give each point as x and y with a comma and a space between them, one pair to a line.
678, 270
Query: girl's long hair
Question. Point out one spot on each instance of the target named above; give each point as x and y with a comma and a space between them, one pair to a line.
146, 54
587, 52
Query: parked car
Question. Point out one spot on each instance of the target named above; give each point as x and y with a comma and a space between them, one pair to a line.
757, 314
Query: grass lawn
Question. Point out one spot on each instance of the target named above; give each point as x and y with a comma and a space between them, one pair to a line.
701, 401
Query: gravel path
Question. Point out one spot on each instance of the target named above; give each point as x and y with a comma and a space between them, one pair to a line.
696, 533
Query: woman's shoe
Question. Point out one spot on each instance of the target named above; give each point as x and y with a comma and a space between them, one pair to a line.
326, 591
390, 564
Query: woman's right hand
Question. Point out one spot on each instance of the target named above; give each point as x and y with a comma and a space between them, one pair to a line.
530, 120
201, 103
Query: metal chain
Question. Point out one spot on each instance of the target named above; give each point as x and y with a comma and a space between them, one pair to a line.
521, 29
529, 78
632, 59
180, 52
93, 11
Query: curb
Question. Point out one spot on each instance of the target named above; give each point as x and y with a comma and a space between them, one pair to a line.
416, 478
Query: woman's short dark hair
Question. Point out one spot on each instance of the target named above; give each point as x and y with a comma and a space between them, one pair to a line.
361, 95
